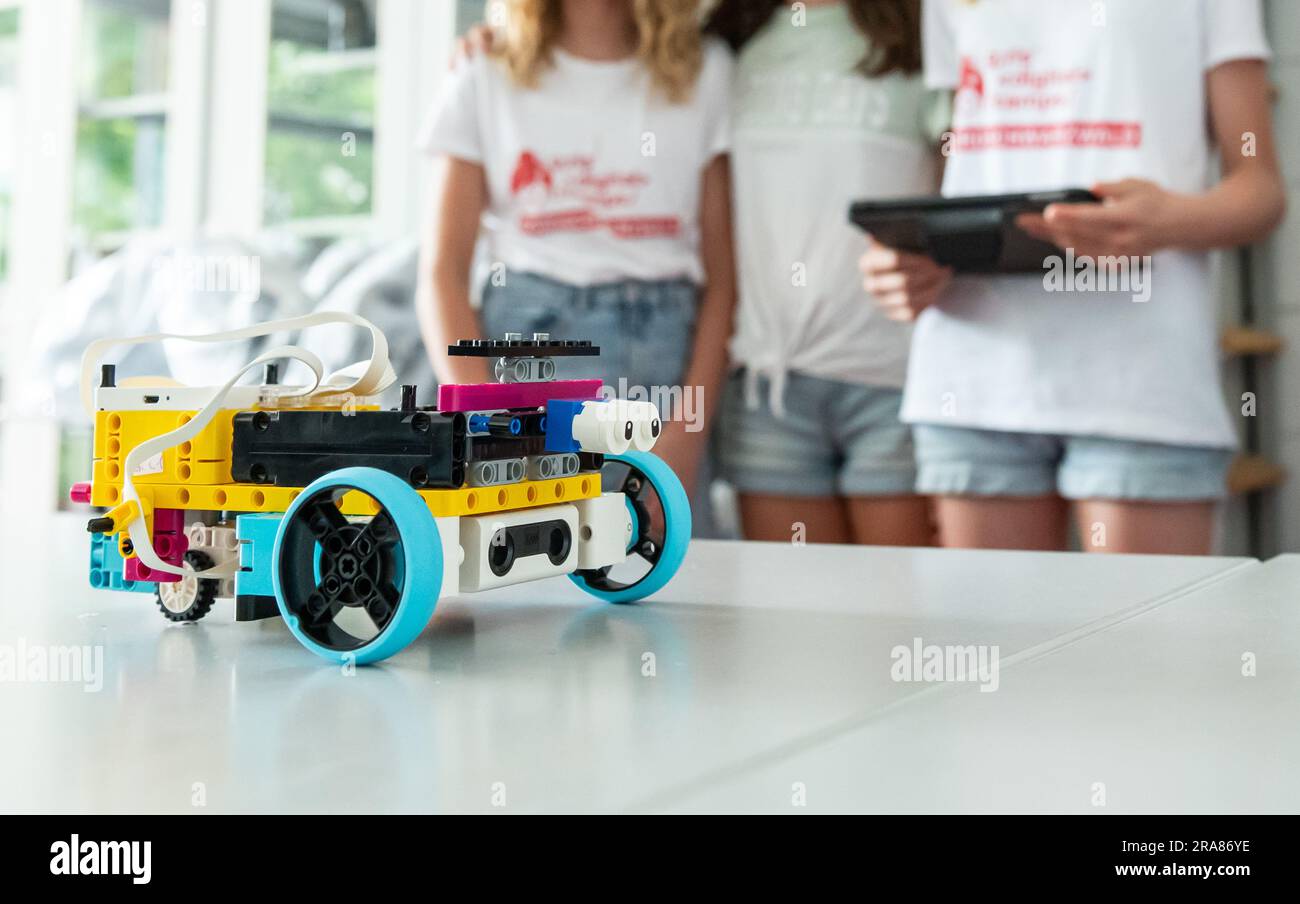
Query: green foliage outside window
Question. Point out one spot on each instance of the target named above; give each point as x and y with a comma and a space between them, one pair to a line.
302, 83
124, 54
319, 149
310, 176
110, 152
119, 165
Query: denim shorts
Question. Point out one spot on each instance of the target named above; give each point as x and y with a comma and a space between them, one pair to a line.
834, 439
965, 461
644, 329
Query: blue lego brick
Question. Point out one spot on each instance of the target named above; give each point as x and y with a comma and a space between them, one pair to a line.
256, 535
107, 568
559, 424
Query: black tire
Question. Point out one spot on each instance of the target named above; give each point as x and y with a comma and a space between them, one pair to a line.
204, 592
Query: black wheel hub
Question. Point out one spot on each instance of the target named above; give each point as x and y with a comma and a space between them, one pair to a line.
330, 565
651, 531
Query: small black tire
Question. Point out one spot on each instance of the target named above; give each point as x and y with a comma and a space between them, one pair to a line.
190, 598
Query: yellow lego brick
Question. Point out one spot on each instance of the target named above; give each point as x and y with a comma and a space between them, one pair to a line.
130, 428
175, 470
249, 497
530, 493
233, 497
203, 459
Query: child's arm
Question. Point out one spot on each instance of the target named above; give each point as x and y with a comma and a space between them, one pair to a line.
708, 362
708, 368
445, 313
1138, 217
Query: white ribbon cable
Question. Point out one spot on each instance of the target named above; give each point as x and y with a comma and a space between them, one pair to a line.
376, 375
138, 530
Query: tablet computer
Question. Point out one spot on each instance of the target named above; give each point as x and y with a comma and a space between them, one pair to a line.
976, 234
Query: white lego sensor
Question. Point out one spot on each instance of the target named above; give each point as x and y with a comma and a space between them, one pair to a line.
615, 426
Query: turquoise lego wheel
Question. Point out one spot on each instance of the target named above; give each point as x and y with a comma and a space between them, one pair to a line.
660, 533
357, 589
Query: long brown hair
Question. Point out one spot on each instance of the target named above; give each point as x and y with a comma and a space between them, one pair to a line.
892, 29
667, 36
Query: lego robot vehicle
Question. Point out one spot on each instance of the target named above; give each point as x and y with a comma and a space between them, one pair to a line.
348, 520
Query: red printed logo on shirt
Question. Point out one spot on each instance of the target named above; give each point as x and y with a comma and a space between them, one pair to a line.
1011, 82
1052, 135
587, 198
529, 171
971, 81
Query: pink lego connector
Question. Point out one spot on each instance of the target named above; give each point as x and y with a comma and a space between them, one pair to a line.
491, 396
80, 492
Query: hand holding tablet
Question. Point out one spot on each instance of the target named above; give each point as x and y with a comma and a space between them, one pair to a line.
902, 283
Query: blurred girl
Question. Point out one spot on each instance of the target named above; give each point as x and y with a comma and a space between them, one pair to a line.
829, 108
1030, 402
590, 145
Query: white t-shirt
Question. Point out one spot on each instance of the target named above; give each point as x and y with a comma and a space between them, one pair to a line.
593, 176
812, 135
1061, 95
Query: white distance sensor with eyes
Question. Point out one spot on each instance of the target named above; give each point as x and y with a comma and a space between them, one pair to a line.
614, 426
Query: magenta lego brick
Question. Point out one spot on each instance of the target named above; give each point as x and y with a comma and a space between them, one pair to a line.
169, 521
489, 396
135, 570
169, 542
80, 493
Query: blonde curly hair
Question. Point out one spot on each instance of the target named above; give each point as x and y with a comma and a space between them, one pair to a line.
667, 38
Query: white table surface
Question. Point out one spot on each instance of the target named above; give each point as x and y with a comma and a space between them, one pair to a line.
1158, 708
764, 654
